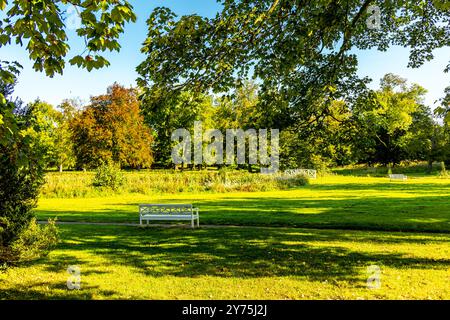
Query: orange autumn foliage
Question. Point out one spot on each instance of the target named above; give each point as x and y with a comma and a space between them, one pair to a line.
111, 129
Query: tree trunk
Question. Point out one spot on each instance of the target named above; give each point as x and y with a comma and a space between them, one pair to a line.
430, 166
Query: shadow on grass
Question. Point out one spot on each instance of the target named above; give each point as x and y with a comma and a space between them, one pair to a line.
52, 292
314, 255
238, 252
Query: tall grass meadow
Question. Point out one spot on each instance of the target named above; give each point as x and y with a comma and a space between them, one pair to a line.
85, 184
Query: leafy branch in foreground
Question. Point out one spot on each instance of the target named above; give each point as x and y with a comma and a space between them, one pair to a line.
298, 50
41, 26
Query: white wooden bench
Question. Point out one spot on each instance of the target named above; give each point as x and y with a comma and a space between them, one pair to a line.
398, 177
307, 172
165, 212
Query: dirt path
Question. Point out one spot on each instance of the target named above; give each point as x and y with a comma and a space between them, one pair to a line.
153, 225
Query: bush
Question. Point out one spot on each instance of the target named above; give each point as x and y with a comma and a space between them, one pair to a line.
23, 153
108, 175
33, 242
292, 181
443, 173
300, 180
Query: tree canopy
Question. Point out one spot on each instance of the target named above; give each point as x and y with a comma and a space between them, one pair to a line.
111, 129
298, 50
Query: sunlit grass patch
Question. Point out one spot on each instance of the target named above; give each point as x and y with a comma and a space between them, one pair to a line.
422, 204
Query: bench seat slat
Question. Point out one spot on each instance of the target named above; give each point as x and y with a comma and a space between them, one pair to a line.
166, 217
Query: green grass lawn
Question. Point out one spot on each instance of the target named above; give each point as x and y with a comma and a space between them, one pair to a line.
252, 261
235, 263
421, 204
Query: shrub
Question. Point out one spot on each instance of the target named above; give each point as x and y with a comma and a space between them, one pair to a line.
443, 173
291, 181
24, 151
108, 175
35, 241
300, 180
389, 171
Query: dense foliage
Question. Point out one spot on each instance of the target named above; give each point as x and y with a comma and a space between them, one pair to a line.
111, 129
108, 175
106, 181
299, 52
41, 26
29, 135
23, 154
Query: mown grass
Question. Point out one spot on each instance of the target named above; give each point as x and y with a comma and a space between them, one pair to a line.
421, 204
253, 261
235, 263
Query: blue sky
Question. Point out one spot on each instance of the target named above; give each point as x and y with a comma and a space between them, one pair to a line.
81, 83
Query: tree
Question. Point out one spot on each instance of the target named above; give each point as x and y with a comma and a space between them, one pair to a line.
39, 24
164, 114
323, 143
51, 129
22, 162
443, 111
298, 50
425, 138
42, 122
64, 146
387, 120
111, 129
238, 109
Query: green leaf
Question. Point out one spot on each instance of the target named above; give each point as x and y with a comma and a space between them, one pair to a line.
2, 101
116, 15
78, 60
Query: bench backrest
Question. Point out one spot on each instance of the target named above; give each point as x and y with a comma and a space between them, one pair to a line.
176, 209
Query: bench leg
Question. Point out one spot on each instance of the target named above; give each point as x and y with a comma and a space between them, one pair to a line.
140, 221
192, 223
198, 221
147, 222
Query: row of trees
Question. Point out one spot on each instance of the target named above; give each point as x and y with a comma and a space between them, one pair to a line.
109, 129
387, 126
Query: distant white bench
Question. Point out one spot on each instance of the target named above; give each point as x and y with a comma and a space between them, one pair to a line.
398, 177
307, 172
160, 212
